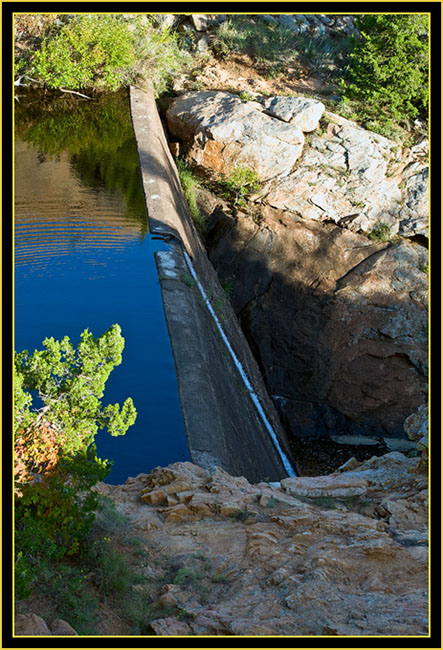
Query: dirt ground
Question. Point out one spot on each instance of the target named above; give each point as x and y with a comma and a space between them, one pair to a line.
240, 73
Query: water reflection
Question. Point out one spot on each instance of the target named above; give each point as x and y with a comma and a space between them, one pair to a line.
84, 260
97, 134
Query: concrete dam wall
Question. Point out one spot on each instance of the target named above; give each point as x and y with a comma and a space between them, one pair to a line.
229, 418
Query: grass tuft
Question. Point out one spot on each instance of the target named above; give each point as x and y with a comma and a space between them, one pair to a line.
190, 186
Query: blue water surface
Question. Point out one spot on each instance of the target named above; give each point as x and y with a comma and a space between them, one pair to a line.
83, 259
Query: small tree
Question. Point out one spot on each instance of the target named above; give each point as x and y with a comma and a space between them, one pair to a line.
55, 456
389, 64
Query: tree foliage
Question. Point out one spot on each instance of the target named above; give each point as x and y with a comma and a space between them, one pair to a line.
70, 383
55, 457
389, 64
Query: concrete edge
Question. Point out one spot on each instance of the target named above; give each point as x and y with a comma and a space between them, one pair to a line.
220, 419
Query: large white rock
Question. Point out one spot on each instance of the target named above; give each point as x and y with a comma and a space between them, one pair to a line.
221, 131
334, 485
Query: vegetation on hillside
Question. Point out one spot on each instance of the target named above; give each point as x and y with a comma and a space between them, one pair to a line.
275, 48
97, 52
389, 69
382, 75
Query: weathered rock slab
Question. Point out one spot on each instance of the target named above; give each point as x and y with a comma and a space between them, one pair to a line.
220, 132
415, 212
290, 567
335, 486
302, 112
346, 175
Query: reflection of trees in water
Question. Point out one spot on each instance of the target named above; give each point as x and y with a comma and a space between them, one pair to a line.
97, 133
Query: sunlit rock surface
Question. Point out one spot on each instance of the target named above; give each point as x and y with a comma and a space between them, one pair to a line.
271, 560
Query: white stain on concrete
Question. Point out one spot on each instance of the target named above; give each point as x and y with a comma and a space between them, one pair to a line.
167, 264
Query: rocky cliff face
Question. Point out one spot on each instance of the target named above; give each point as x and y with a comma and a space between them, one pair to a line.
328, 280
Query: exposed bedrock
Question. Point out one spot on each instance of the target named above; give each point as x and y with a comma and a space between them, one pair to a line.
337, 323
221, 131
337, 320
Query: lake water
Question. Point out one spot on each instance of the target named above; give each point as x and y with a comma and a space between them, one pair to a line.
84, 259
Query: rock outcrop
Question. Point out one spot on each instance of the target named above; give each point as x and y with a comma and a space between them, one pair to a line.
34, 625
356, 179
220, 132
337, 322
330, 292
416, 427
344, 554
347, 175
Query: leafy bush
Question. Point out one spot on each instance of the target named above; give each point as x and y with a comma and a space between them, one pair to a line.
68, 595
90, 51
186, 576
107, 51
160, 56
240, 183
381, 232
29, 32
112, 574
389, 64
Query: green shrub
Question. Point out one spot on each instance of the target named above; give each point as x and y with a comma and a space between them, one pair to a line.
389, 65
91, 51
29, 32
108, 520
246, 97
107, 51
54, 516
186, 576
68, 595
381, 232
218, 577
160, 56
25, 575
111, 573
227, 287
241, 182
55, 463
